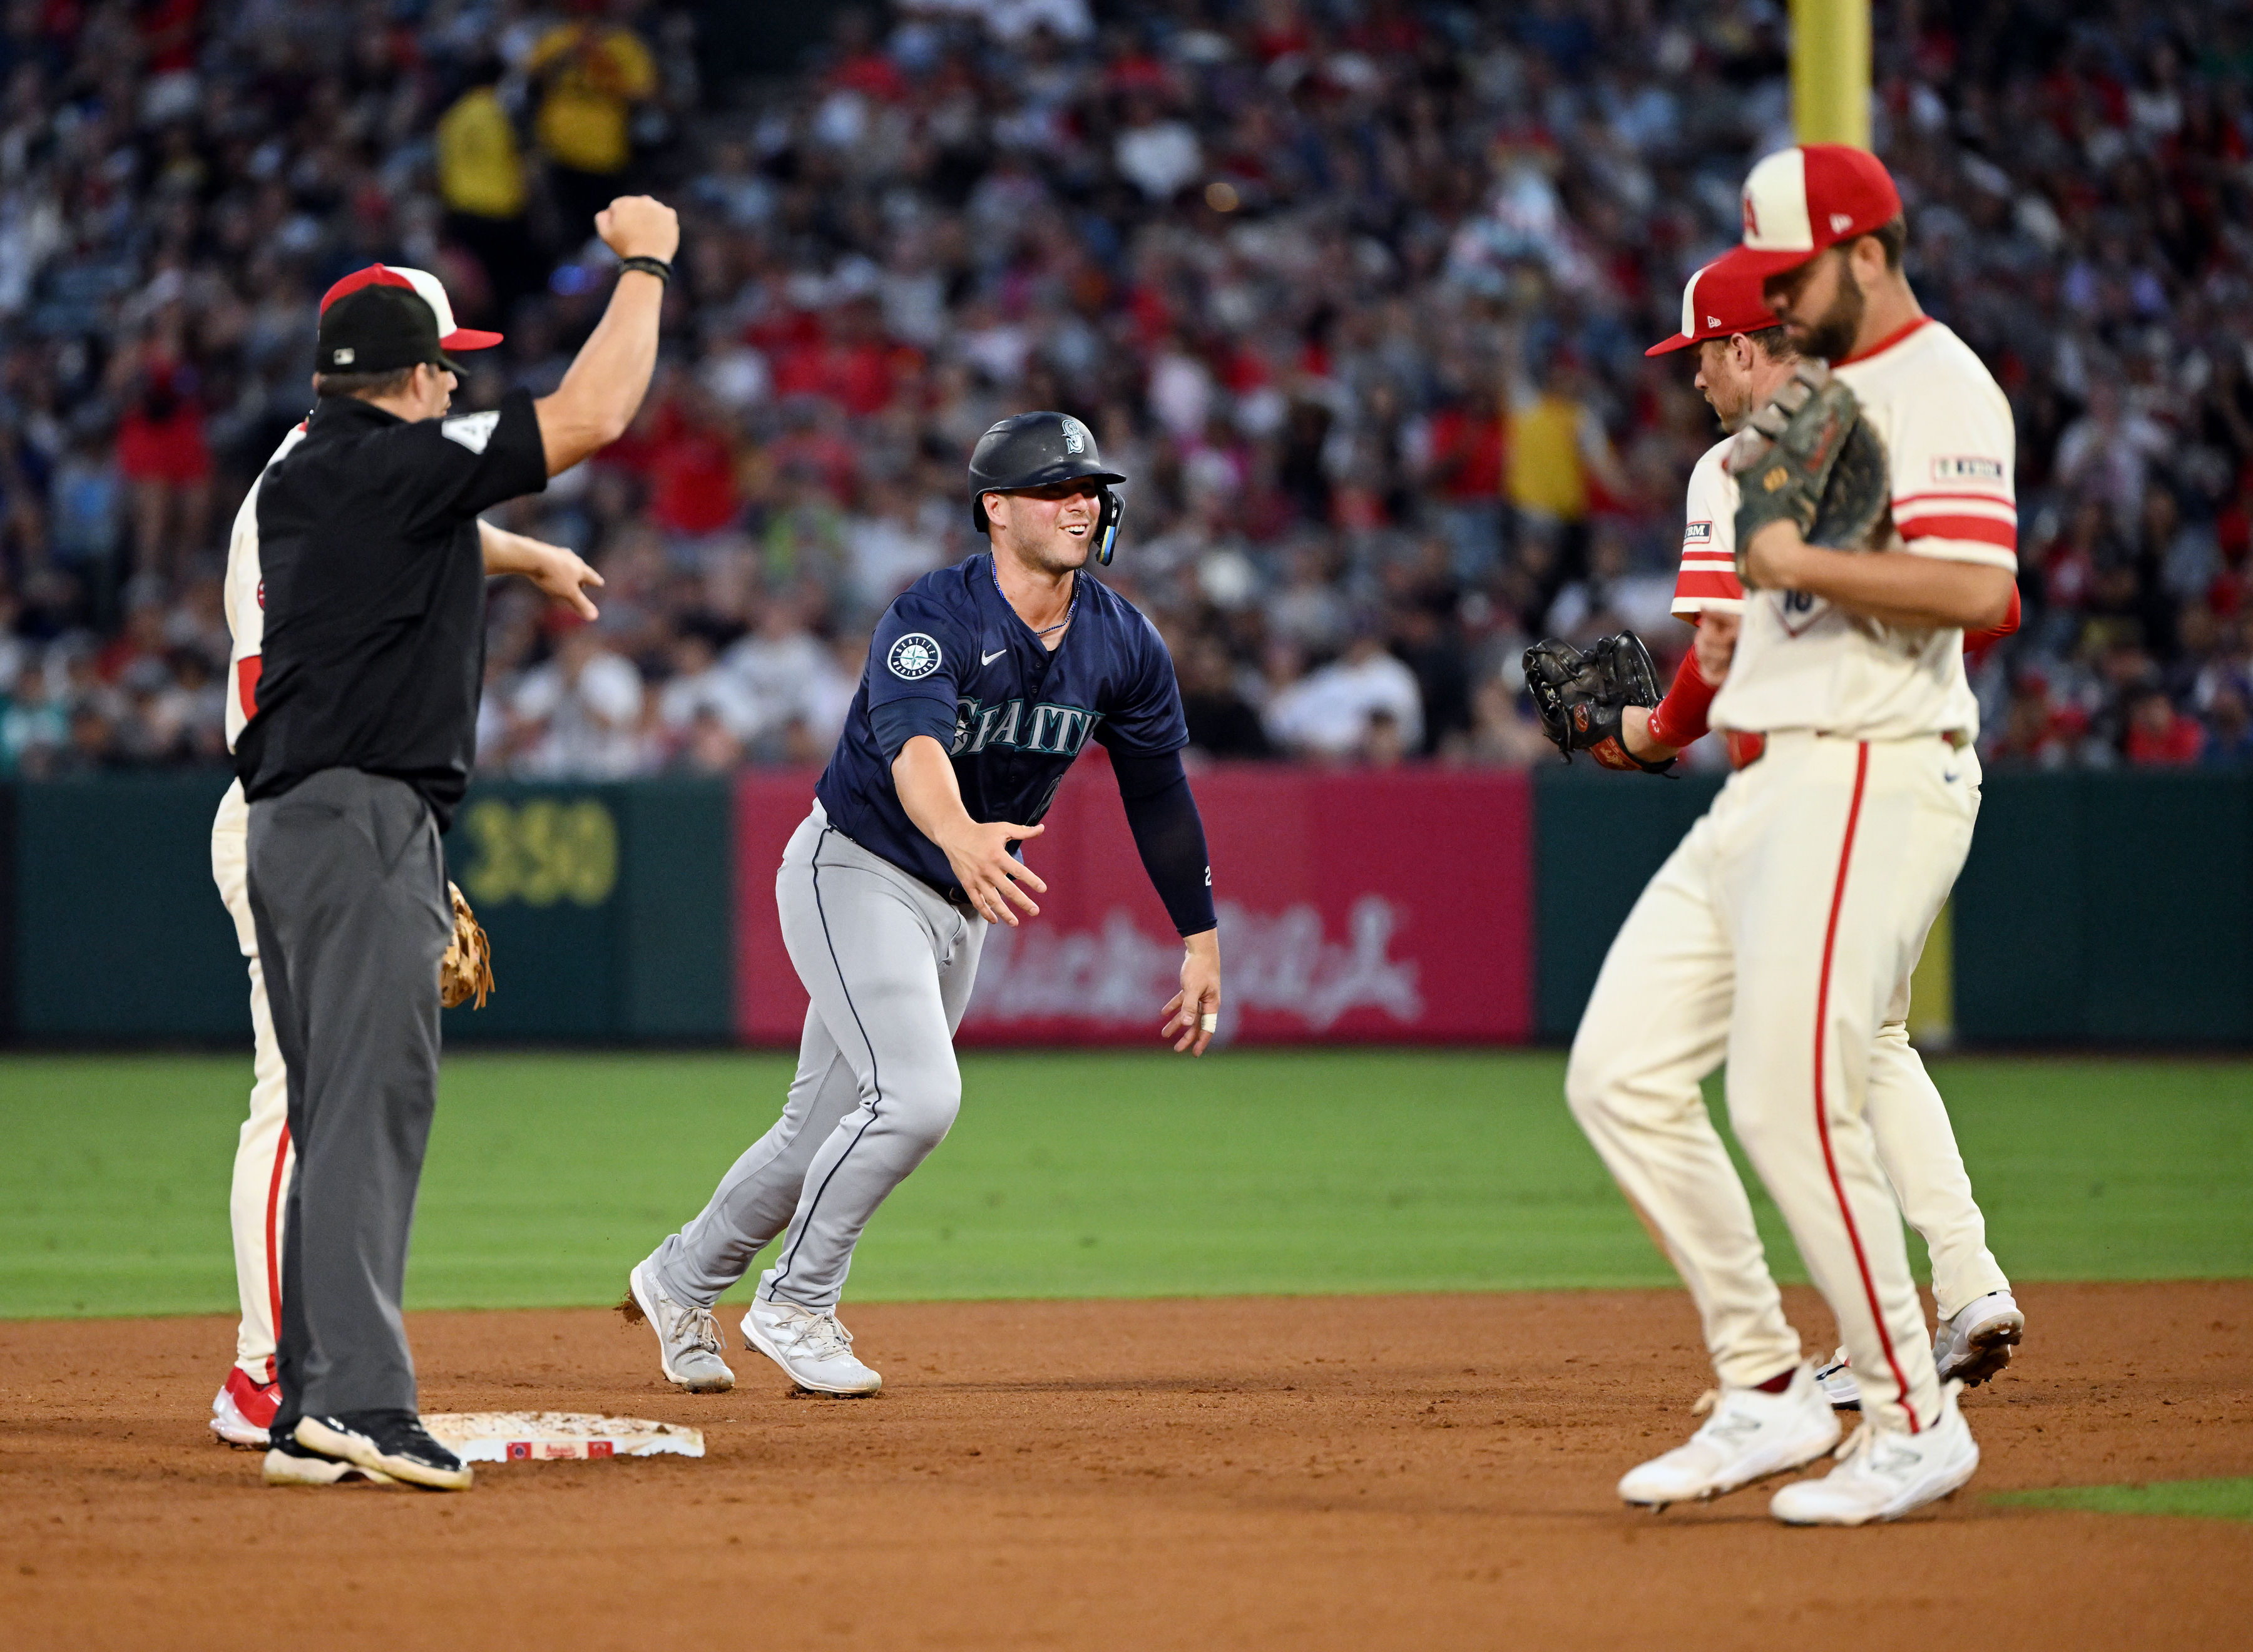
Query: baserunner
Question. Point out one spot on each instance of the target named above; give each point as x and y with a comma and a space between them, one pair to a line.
984, 681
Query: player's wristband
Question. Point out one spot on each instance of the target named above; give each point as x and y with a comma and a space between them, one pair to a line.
656, 267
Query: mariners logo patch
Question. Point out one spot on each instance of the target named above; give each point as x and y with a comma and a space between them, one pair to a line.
914, 656
1075, 436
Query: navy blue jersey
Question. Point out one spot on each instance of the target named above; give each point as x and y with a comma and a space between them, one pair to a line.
952, 659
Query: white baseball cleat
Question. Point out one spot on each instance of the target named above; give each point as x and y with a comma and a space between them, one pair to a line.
1750, 1436
1838, 1383
688, 1338
811, 1346
1976, 1343
1884, 1472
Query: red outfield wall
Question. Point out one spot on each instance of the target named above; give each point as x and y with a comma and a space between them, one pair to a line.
1354, 908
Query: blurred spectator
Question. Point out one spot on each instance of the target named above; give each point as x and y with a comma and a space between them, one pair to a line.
1331, 712
1222, 723
2229, 729
162, 455
483, 182
591, 73
2159, 735
580, 713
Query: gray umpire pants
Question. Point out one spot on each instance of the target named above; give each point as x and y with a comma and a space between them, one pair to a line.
348, 893
889, 965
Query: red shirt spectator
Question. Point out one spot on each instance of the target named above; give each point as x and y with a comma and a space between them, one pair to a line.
1466, 452
2159, 736
691, 469
161, 438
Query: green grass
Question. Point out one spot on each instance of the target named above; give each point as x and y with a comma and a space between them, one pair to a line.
1096, 1174
2201, 1499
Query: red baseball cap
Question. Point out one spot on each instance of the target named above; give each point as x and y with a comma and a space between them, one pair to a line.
1718, 304
1799, 201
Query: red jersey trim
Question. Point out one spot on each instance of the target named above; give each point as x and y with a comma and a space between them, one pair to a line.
246, 684
1985, 529
1885, 344
2004, 500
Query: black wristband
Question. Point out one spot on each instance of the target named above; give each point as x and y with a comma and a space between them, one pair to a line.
656, 267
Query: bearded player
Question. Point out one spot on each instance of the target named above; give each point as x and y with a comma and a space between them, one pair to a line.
1744, 359
1780, 935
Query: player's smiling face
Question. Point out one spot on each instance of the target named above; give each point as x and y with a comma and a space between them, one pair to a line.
1052, 529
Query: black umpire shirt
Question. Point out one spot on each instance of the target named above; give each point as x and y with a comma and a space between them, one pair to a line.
373, 585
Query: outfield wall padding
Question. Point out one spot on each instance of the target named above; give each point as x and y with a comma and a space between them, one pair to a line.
2104, 909
608, 906
1597, 837
1423, 905
1354, 908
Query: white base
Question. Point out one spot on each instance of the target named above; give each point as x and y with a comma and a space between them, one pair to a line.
503, 1437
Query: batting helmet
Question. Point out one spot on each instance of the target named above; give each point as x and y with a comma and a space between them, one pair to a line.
1034, 449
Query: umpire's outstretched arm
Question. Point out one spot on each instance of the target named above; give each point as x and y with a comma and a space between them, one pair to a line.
600, 394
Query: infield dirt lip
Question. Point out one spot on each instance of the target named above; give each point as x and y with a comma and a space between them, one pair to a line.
1416, 1472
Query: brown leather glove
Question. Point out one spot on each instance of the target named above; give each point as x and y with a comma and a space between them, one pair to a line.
466, 970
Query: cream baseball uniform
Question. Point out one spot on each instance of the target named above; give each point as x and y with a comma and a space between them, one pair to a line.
1780, 935
262, 1156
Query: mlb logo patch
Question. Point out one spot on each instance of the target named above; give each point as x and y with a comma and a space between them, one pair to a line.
1960, 469
1698, 534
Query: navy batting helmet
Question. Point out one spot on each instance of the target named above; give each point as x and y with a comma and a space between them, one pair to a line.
1034, 449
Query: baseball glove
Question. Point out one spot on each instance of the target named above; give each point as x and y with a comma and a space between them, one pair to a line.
1808, 456
466, 970
1581, 696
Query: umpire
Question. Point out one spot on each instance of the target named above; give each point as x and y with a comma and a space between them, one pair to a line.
374, 596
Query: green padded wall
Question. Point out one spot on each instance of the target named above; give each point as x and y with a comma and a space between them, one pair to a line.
608, 907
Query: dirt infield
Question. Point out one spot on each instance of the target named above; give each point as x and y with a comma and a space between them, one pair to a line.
1366, 1473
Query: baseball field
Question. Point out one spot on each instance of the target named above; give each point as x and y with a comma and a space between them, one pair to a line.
1276, 1350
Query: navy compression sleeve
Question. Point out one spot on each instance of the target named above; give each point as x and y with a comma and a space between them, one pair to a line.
1162, 814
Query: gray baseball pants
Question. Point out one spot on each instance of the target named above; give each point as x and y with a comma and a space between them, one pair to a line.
889, 965
347, 887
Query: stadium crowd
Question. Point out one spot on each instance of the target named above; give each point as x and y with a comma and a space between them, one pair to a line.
1356, 291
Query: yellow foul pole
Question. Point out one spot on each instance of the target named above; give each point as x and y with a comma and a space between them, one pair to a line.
1830, 71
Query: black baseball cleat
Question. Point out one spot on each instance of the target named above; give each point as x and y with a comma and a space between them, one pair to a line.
392, 1443
290, 1464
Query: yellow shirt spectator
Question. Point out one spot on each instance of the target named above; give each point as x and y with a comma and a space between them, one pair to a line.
480, 171
594, 76
1545, 470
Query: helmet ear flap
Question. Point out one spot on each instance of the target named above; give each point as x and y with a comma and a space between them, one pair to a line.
1107, 526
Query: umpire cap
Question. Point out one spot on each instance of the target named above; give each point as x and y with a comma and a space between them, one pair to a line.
1031, 450
385, 318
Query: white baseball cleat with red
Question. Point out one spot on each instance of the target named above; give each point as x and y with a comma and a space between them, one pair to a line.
1884, 1472
244, 1409
1749, 1436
